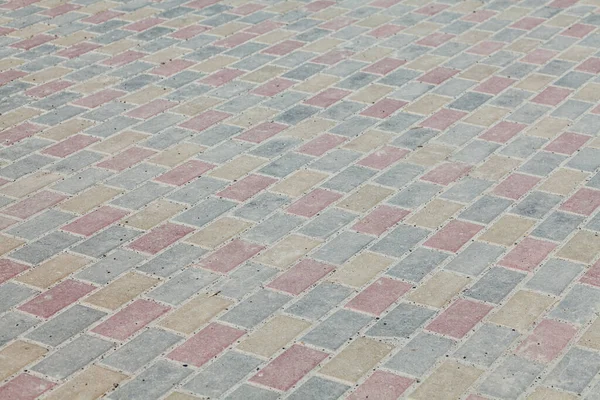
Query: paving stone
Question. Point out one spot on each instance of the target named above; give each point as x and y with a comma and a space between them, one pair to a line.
420, 354
486, 345
334, 331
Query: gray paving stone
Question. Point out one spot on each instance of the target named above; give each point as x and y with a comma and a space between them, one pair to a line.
174, 258
205, 212
558, 225
327, 223
13, 324
415, 194
475, 258
317, 388
182, 286
247, 392
486, 209
245, 279
41, 224
255, 309
399, 241
575, 371
486, 344
110, 267
495, 285
580, 305
342, 247
511, 378
417, 264
420, 354
104, 242
273, 228
349, 179
319, 301
45, 247
400, 175
554, 276
401, 322
332, 333
466, 190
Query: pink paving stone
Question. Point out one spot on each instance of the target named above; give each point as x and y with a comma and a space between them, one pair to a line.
70, 145
189, 32
337, 23
382, 385
485, 48
446, 173
200, 4
443, 119
552, 96
184, 173
300, 277
205, 120
9, 76
53, 300
475, 397
247, 9
62, 9
25, 387
502, 132
384, 66
48, 88
35, 41
222, 77
381, 294
479, 16
596, 110
34, 204
494, 85
5, 31
130, 319
230, 256
322, 144
160, 238
527, 255
592, 275
539, 56
333, 57
78, 49
246, 188
592, 65
432, 9
528, 23
262, 132
319, 5
264, 27
151, 109
99, 98
578, 30
273, 87
314, 202
102, 16
515, 186
283, 48
16, 4
94, 221
144, 24
453, 236
287, 369
172, 67
567, 143
458, 319
384, 157
235, 40
327, 97
584, 201
546, 341
438, 75
124, 58
206, 344
10, 269
386, 30
384, 108
380, 220
126, 159
436, 39
19, 132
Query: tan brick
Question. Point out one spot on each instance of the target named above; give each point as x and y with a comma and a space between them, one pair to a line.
513, 13
562, 21
117, 47
238, 167
522, 310
17, 116
369, 141
73, 38
466, 6
30, 184
118, 142
435, 213
422, 29
449, 381
427, 104
438, 290
479, 72
371, 93
375, 21
430, 154
361, 270
365, 198
323, 45
46, 75
95, 84
507, 230
274, 37
523, 45
589, 92
357, 359
316, 83
576, 53
253, 117
264, 74
9, 63
288, 251
194, 314
583, 247
486, 116
563, 181
495, 168
299, 183
309, 129
542, 393
181, 396
274, 335
146, 94
18, 355
196, 106
52, 271
328, 13
66, 129
548, 127
591, 337
218, 232
121, 290
214, 64
8, 243
534, 82
166, 55
426, 62
373, 54
155, 213
91, 198
177, 154
90, 384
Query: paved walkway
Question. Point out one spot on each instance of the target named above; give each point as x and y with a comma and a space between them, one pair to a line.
299, 199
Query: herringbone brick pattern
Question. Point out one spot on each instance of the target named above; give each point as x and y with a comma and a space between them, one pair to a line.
300, 199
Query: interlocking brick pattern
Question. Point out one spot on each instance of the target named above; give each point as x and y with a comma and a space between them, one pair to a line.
300, 199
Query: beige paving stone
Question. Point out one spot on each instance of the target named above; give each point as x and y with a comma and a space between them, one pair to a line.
495, 168
91, 198
192, 315
121, 290
274, 335
119, 142
576, 53
522, 310
486, 116
316, 83
18, 355
155, 213
90, 384
47, 75
548, 127
375, 20
449, 381
507, 230
543, 393
323, 45
146, 94
309, 128
368, 141
591, 337
95, 84
177, 154
434, 214
426, 62
356, 360
582, 247
371, 93
252, 117
218, 232
66, 129
524, 45
361, 269
288, 251
563, 181
196, 106
365, 198
264, 74
238, 167
427, 104
589, 92
373, 54
8, 243
214, 64
299, 183
181, 396
534, 82
430, 154
30, 184
438, 290
422, 29
479, 72
54, 270
19, 115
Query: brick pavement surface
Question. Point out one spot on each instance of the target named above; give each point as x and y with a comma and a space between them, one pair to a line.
303, 199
